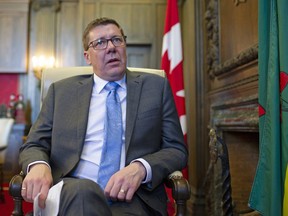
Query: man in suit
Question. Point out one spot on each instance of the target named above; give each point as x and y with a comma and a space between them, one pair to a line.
66, 141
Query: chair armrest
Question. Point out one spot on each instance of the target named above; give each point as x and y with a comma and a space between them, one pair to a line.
180, 191
15, 186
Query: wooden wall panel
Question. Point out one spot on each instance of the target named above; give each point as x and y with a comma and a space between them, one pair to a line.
134, 18
231, 57
69, 36
159, 25
121, 12
43, 32
238, 27
13, 36
231, 63
88, 13
138, 56
243, 149
197, 110
142, 27
142, 21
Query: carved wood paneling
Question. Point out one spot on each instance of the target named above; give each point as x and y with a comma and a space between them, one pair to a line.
38, 4
13, 36
69, 36
236, 114
214, 66
133, 20
232, 68
212, 32
218, 179
244, 57
237, 2
138, 56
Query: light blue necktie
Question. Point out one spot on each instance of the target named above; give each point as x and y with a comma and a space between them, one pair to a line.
111, 152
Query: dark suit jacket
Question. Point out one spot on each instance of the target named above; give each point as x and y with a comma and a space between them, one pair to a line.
153, 131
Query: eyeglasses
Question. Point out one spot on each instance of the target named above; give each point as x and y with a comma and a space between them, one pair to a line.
102, 43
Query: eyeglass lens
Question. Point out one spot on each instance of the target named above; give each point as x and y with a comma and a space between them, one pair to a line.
102, 43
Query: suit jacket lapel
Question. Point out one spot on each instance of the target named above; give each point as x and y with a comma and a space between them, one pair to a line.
134, 86
84, 91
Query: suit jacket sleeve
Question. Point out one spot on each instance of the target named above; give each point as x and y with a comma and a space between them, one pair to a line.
157, 136
58, 134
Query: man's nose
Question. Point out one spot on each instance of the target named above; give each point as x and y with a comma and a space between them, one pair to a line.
110, 44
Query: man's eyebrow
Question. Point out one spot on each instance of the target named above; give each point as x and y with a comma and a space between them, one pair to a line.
108, 37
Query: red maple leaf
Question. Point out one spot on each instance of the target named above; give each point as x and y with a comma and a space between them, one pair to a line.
283, 80
283, 84
261, 109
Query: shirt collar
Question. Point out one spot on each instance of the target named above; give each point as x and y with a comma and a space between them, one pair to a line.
99, 83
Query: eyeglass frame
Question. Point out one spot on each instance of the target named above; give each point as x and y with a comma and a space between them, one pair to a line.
107, 41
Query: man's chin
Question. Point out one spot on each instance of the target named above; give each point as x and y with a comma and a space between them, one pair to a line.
116, 72
115, 69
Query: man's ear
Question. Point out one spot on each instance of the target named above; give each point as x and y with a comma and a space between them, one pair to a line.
87, 57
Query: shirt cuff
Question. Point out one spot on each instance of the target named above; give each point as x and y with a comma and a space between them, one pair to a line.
36, 162
148, 170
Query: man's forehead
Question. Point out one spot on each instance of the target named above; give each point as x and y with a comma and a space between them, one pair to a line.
104, 30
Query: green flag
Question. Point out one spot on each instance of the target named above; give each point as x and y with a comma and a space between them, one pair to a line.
268, 187
285, 201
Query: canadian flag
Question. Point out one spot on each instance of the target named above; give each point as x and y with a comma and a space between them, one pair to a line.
172, 63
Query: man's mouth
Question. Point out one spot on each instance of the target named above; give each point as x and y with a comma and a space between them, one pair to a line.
113, 60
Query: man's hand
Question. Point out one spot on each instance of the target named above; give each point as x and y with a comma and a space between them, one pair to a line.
38, 180
123, 184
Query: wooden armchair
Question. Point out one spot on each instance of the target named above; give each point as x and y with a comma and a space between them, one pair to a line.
179, 185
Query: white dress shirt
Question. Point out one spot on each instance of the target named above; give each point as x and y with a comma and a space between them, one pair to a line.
88, 166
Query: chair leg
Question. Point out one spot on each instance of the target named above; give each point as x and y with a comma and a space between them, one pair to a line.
15, 191
17, 211
181, 207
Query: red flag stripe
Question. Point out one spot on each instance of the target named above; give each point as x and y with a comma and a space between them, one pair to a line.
171, 15
172, 63
172, 59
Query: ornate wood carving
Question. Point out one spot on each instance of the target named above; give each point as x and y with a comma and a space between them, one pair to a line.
218, 179
237, 114
38, 4
211, 17
237, 2
214, 67
242, 58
